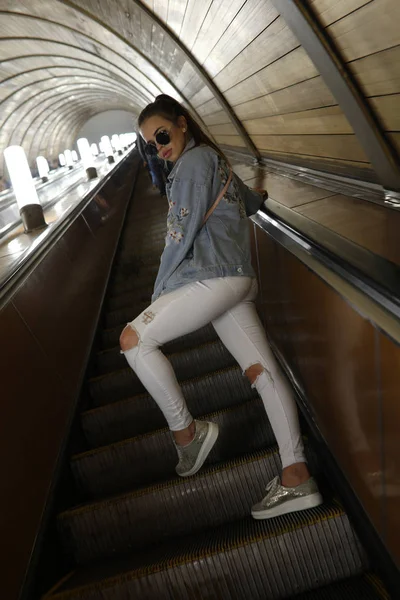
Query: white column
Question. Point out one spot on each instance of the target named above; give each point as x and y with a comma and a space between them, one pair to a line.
30, 209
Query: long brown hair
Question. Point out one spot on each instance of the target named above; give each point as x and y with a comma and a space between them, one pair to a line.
171, 109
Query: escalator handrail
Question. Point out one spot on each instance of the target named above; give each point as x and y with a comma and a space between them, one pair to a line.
373, 275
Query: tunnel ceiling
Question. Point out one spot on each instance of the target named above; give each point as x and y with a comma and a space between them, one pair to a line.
235, 63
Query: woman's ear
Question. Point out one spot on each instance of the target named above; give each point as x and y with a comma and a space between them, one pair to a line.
182, 123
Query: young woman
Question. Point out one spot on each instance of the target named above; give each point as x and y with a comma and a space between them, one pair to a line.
206, 276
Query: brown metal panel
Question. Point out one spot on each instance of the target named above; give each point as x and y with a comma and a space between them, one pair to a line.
372, 28
332, 10
369, 225
271, 290
286, 191
336, 147
305, 95
379, 74
390, 371
34, 407
47, 327
318, 121
290, 69
275, 41
57, 316
332, 351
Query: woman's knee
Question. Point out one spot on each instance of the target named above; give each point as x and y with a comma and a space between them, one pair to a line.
253, 372
128, 339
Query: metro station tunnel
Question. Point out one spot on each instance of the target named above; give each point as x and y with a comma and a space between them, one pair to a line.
200, 299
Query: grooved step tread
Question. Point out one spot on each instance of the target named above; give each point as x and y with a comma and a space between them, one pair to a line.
171, 483
140, 414
207, 347
365, 587
113, 423
243, 555
164, 510
206, 338
152, 457
111, 358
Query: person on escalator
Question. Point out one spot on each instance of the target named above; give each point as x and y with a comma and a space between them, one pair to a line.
158, 169
205, 276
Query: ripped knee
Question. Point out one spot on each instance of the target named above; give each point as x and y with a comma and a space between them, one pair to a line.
253, 372
128, 339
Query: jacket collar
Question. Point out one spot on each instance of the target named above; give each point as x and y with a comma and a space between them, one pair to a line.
191, 144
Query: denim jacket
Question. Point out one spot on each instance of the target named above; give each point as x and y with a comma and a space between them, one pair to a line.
221, 247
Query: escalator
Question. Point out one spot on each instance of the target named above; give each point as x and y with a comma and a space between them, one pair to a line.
139, 531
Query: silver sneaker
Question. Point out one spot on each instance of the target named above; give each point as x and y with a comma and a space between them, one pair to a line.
282, 500
192, 457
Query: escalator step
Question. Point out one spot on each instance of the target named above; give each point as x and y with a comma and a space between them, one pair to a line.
150, 515
140, 414
196, 362
127, 280
245, 559
142, 460
121, 316
366, 587
109, 338
154, 230
126, 299
113, 360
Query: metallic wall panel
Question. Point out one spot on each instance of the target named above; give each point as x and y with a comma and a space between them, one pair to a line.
332, 350
30, 405
390, 374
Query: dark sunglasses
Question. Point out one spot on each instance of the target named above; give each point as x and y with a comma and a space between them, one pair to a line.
162, 138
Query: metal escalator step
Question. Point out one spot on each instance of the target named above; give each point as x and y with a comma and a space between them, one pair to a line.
140, 264
150, 250
130, 261
242, 560
152, 514
156, 229
365, 587
130, 284
146, 265
109, 338
121, 316
140, 460
156, 241
132, 281
117, 385
201, 336
139, 283
155, 237
112, 359
140, 414
149, 218
139, 294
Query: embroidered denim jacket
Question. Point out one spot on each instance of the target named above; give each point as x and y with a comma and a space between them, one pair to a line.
220, 248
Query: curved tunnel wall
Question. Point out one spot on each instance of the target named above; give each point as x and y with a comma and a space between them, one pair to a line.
107, 123
237, 64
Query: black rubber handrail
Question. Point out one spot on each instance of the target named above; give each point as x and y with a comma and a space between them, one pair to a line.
373, 275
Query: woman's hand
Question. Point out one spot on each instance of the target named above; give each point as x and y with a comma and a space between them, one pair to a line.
261, 191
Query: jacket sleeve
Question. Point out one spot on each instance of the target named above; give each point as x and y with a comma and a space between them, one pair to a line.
188, 205
252, 200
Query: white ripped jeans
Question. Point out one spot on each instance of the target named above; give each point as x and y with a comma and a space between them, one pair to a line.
228, 303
